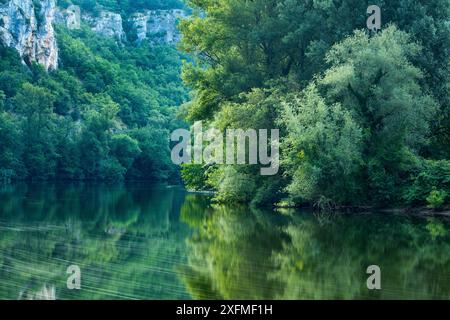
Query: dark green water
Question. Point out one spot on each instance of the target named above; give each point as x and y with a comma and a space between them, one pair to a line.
137, 242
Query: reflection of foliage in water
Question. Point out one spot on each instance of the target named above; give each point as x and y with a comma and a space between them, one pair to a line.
229, 257
330, 261
243, 253
130, 243
124, 240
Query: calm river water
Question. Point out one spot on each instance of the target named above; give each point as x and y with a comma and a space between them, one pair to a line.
141, 242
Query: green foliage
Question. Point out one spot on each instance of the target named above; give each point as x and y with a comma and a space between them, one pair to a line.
235, 186
240, 45
104, 114
34, 102
373, 78
125, 149
110, 169
430, 174
358, 110
436, 228
10, 147
154, 161
297, 255
436, 198
193, 176
255, 110
130, 225
323, 149
35, 105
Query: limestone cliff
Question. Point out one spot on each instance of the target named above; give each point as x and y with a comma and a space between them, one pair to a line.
27, 26
69, 17
108, 24
157, 26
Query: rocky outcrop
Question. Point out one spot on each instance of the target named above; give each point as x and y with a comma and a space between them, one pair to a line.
27, 26
70, 17
157, 26
108, 24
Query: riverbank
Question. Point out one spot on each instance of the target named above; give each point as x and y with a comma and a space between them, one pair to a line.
416, 211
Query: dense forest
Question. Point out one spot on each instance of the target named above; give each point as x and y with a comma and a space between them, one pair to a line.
105, 114
364, 116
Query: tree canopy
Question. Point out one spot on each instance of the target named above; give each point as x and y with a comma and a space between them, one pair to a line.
359, 111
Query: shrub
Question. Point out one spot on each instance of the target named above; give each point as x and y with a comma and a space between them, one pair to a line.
234, 186
431, 176
125, 149
111, 170
436, 198
193, 176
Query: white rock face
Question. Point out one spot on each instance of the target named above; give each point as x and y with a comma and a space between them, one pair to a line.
27, 26
158, 26
29, 29
108, 24
70, 17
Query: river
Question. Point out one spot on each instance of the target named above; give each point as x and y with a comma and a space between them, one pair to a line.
134, 241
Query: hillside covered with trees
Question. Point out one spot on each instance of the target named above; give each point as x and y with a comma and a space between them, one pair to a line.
104, 114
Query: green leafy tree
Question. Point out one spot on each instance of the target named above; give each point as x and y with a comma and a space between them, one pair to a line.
323, 150
99, 120
436, 198
36, 105
375, 81
11, 146
125, 149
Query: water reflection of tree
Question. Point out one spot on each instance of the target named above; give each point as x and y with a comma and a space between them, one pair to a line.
243, 253
124, 240
229, 257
